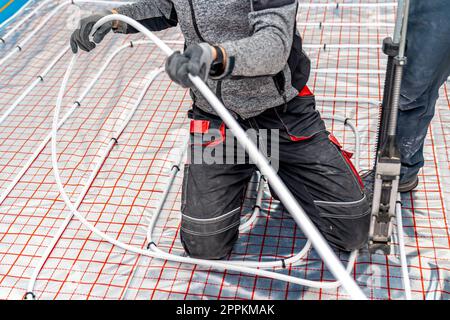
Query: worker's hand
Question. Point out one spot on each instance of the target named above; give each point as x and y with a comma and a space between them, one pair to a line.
196, 60
80, 37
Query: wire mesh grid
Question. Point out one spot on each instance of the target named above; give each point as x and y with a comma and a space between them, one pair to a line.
132, 178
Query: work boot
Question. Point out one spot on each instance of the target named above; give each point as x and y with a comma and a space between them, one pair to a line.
409, 185
368, 179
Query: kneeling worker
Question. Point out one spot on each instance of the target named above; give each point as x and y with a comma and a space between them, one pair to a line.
250, 54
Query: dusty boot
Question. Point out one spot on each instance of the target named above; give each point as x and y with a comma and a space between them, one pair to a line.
408, 186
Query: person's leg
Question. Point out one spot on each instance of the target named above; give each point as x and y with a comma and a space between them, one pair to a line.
212, 194
428, 52
320, 175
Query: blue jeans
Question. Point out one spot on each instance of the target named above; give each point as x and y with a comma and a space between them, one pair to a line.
428, 52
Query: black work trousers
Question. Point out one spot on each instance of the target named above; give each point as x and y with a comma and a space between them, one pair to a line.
310, 162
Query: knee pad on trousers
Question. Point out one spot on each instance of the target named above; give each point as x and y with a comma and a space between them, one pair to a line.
210, 238
345, 224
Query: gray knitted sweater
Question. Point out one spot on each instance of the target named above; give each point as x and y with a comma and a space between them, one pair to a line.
257, 35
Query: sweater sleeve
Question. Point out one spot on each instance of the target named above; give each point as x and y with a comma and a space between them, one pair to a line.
156, 15
267, 50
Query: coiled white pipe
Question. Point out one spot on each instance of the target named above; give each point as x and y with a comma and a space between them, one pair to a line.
124, 246
113, 141
55, 126
348, 122
286, 196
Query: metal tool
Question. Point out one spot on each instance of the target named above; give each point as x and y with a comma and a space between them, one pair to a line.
388, 164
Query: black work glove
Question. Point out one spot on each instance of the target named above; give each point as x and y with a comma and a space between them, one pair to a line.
196, 60
80, 37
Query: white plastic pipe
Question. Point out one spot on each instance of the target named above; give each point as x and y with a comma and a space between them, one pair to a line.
349, 123
127, 247
345, 24
176, 168
348, 99
341, 71
324, 46
103, 156
401, 244
281, 277
104, 1
286, 197
348, 5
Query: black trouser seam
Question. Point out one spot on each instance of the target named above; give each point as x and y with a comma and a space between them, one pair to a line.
200, 234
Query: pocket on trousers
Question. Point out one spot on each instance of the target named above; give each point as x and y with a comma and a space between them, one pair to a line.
344, 210
345, 224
